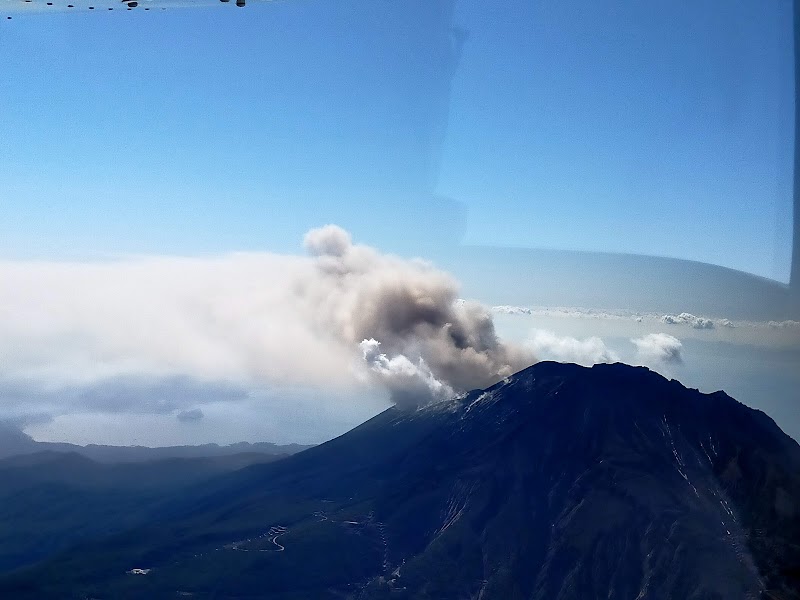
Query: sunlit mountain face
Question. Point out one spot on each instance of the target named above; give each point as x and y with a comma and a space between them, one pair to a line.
560, 481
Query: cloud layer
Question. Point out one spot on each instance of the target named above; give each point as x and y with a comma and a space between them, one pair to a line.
167, 334
684, 318
691, 320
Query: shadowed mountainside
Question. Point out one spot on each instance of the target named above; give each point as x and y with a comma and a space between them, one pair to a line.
51, 500
560, 482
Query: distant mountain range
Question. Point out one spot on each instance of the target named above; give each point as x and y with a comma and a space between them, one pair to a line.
54, 495
561, 482
14, 442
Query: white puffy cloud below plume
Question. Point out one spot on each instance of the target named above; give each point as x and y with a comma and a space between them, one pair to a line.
409, 383
549, 346
166, 334
658, 349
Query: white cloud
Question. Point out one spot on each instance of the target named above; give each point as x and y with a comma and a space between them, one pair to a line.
329, 240
615, 323
658, 348
691, 320
506, 309
229, 318
549, 346
564, 312
788, 324
409, 383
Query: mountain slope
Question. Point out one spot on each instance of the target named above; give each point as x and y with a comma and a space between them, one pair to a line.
52, 500
14, 441
561, 482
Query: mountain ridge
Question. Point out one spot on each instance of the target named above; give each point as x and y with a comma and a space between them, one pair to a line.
559, 482
15, 442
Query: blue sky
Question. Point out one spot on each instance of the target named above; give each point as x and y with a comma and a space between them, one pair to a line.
601, 126
630, 127
425, 128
